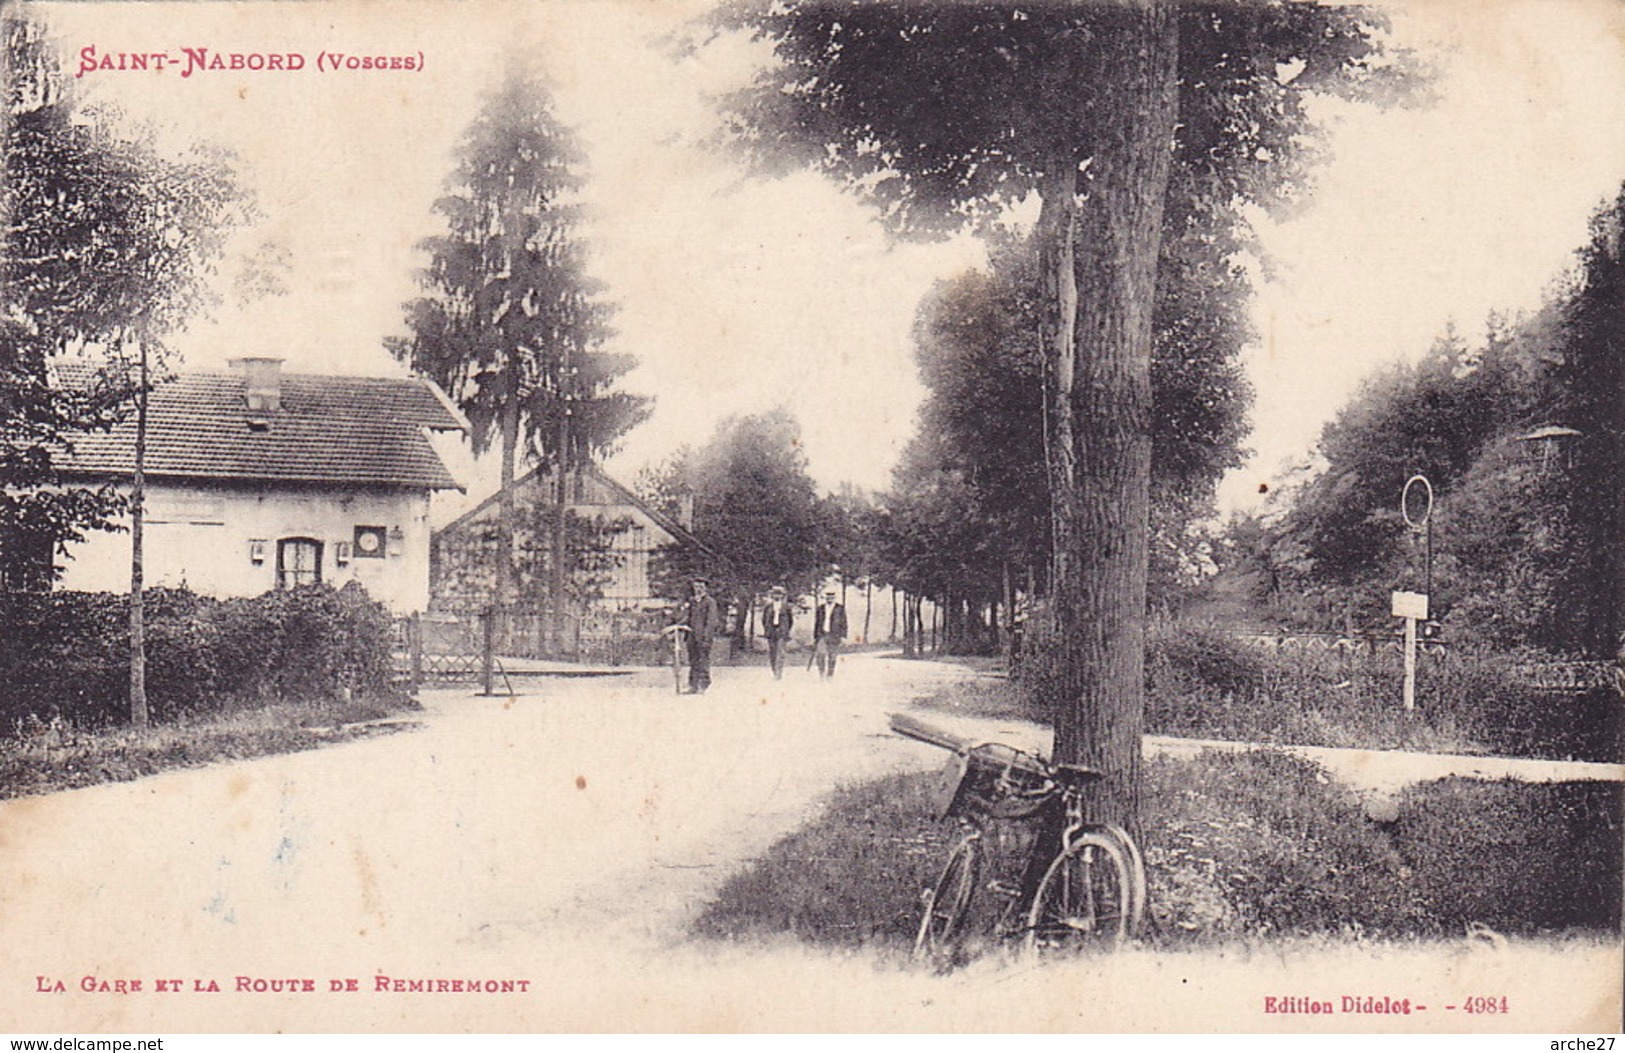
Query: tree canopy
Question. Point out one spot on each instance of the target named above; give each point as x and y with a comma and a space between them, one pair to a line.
947, 114
752, 506
108, 247
1520, 438
512, 317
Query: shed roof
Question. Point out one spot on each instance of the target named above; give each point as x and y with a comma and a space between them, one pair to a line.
537, 476
359, 431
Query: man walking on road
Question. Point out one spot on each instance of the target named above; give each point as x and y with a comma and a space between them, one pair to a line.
776, 622
702, 618
829, 629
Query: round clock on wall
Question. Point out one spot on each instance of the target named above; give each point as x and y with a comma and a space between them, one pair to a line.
369, 542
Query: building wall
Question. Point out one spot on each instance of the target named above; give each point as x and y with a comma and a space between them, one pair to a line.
465, 576
222, 541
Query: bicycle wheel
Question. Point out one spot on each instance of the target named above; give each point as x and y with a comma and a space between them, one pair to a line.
1086, 900
1136, 875
947, 904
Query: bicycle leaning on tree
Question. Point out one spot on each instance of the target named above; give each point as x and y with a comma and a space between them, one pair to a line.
1083, 885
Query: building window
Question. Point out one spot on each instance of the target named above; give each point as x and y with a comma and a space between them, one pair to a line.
298, 562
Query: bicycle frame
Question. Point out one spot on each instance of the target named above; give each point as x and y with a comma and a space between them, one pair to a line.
678, 634
1066, 906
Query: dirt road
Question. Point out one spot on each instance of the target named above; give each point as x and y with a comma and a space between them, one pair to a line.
548, 850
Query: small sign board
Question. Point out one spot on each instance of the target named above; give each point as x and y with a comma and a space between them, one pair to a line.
1411, 605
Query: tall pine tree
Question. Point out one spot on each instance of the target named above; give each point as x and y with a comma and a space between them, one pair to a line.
512, 325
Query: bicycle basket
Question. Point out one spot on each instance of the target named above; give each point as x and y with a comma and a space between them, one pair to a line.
992, 780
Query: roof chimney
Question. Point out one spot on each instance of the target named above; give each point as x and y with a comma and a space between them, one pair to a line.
263, 381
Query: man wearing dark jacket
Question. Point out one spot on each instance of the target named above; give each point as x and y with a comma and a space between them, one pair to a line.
701, 615
829, 629
776, 622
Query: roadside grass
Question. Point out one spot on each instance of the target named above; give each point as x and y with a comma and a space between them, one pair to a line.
46, 756
851, 878
992, 697
1201, 683
1239, 847
1280, 718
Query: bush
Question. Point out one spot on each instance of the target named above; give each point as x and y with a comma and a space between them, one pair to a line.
1207, 683
1264, 843
312, 641
64, 656
1481, 689
1517, 857
183, 651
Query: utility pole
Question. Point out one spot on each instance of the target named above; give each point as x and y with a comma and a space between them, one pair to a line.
139, 714
561, 465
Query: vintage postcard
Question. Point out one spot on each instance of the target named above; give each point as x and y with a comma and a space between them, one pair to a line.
768, 287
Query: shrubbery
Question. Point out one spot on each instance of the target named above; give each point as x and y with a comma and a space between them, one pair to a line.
1256, 843
1514, 856
65, 655
1206, 683
1237, 846
1264, 843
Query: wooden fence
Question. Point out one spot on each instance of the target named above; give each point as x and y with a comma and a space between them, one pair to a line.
1564, 676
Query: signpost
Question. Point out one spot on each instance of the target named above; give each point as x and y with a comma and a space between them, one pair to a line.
1413, 606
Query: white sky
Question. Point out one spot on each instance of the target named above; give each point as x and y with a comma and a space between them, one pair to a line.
739, 294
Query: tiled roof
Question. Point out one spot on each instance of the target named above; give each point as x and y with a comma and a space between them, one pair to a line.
363, 431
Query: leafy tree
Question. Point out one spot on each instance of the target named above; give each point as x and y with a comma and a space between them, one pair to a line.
849, 545
1591, 376
1431, 418
1504, 537
979, 356
512, 325
107, 249
938, 541
976, 342
946, 113
1525, 537
755, 511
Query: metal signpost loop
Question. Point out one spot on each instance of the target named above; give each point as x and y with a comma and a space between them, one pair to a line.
1413, 607
1405, 502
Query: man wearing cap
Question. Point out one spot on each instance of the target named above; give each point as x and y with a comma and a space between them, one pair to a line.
701, 615
776, 621
829, 629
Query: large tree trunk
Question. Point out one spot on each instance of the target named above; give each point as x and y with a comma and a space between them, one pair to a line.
1101, 478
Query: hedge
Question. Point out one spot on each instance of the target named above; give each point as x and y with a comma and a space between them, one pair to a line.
65, 655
